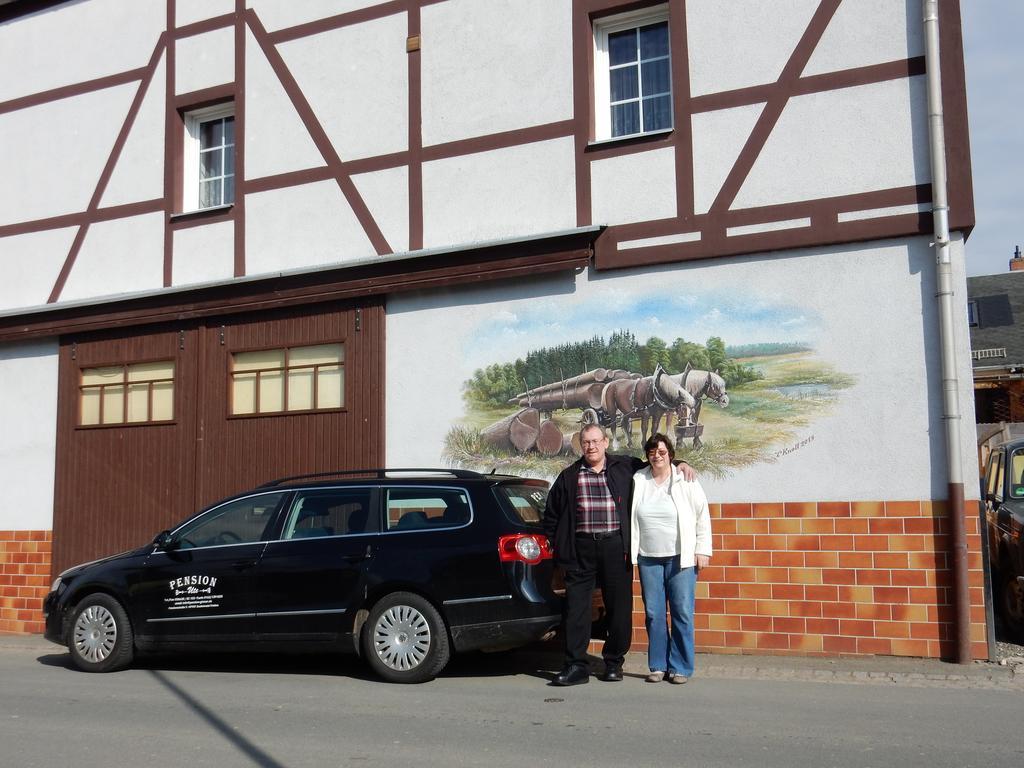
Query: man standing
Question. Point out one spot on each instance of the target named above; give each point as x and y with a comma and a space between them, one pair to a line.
587, 521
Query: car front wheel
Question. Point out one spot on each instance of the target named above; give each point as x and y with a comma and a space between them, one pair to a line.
405, 639
100, 636
1012, 604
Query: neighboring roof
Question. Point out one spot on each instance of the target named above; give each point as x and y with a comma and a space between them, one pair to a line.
999, 303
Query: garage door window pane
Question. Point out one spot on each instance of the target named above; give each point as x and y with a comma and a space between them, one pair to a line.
137, 393
294, 379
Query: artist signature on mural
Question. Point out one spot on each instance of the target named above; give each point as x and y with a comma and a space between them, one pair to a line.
792, 449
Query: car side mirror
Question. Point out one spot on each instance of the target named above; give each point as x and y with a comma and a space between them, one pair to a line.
165, 542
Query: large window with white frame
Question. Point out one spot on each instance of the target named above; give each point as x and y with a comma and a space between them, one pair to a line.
209, 167
633, 74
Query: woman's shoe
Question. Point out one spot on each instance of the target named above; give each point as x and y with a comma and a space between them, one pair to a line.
656, 676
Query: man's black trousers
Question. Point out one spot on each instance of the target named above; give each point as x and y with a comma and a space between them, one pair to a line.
601, 562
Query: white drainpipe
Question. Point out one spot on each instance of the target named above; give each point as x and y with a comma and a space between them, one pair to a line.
950, 385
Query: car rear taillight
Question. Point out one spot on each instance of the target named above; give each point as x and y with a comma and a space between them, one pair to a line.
527, 548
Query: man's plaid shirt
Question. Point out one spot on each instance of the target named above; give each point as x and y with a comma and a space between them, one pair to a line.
595, 507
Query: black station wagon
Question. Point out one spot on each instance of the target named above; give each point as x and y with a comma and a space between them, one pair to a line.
400, 566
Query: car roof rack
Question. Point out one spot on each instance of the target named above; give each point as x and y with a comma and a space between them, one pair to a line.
379, 473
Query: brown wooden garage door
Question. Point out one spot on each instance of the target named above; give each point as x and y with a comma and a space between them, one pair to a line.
139, 449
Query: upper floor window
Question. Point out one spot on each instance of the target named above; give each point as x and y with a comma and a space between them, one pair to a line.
972, 313
633, 77
209, 177
289, 379
127, 394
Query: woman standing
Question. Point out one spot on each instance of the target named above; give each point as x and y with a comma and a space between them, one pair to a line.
671, 542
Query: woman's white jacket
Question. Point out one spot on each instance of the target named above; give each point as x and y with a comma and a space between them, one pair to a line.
694, 518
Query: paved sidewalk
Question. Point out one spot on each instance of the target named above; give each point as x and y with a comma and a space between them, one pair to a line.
861, 670
864, 670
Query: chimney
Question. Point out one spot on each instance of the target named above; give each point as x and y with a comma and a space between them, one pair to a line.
1017, 262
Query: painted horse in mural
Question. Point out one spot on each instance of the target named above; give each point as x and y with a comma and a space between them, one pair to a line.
699, 385
626, 400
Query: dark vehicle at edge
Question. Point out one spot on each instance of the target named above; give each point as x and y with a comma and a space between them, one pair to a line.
400, 566
1003, 494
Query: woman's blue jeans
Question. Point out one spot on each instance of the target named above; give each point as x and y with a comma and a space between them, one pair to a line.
663, 581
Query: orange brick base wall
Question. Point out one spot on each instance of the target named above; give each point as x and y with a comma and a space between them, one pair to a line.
24, 579
830, 578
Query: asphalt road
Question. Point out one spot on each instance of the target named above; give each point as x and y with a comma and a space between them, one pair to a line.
497, 710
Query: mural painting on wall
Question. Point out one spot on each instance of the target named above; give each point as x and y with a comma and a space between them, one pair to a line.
727, 404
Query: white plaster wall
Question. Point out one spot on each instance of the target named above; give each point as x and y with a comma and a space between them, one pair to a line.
718, 138
119, 256
874, 318
489, 195
278, 14
204, 254
356, 80
189, 11
865, 32
307, 225
386, 194
637, 187
203, 61
841, 142
276, 140
740, 43
494, 65
51, 156
30, 264
77, 42
139, 173
28, 413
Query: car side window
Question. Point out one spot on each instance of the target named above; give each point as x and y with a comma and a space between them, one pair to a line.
330, 512
242, 521
998, 489
420, 508
1017, 474
990, 472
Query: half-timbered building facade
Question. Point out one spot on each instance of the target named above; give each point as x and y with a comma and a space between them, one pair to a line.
241, 239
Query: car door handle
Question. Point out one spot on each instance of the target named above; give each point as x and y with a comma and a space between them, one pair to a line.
242, 565
358, 557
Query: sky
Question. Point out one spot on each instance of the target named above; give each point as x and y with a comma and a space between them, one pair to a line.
993, 30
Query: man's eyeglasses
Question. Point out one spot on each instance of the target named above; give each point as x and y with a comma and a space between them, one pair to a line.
588, 443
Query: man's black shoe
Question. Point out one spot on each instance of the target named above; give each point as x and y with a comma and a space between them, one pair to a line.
572, 675
612, 675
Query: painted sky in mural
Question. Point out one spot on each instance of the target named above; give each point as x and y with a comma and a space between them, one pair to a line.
737, 319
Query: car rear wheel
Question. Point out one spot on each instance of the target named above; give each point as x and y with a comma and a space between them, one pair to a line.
100, 636
405, 639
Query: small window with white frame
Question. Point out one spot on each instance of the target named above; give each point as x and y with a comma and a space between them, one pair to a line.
972, 313
209, 173
633, 74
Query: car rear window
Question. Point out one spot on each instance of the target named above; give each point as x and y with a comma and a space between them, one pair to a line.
525, 503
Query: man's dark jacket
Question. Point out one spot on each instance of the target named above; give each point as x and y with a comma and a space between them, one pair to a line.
560, 511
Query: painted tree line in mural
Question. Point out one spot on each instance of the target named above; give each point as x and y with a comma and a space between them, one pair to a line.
497, 384
524, 416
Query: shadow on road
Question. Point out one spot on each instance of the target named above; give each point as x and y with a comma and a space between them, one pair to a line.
242, 744
536, 661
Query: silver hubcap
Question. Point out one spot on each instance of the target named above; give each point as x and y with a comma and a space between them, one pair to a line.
95, 633
401, 637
